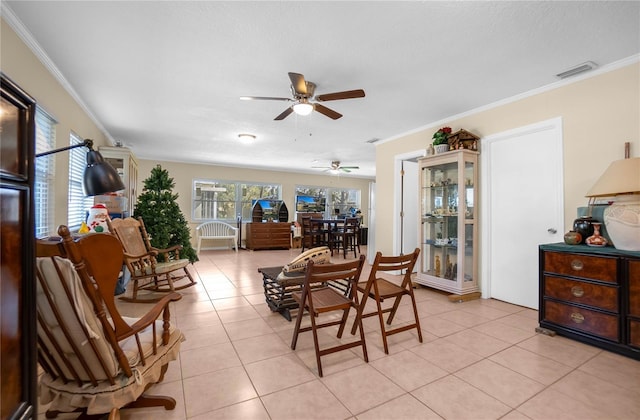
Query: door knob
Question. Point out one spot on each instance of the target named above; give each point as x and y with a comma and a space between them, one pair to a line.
552, 230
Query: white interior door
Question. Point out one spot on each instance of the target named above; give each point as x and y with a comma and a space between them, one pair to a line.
371, 223
522, 207
405, 228
409, 207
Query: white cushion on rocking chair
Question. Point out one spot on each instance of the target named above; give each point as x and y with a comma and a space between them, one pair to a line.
163, 267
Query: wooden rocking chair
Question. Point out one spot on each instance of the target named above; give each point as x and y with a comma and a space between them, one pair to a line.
147, 273
96, 361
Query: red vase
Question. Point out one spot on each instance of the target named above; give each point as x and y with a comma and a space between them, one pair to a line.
596, 239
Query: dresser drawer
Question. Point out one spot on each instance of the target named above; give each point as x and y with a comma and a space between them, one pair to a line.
634, 287
286, 235
600, 296
585, 266
260, 234
258, 227
592, 322
634, 333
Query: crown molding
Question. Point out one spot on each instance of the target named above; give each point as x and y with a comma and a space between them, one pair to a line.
18, 27
555, 85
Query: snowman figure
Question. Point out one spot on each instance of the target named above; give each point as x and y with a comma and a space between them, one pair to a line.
97, 220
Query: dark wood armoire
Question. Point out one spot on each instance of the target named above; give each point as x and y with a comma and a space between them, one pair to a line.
17, 253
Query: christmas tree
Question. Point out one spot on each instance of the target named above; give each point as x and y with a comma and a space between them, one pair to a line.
165, 223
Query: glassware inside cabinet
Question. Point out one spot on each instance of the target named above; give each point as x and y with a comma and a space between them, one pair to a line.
468, 253
469, 190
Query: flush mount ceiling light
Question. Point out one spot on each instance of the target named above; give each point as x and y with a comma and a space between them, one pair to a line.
580, 68
303, 107
246, 138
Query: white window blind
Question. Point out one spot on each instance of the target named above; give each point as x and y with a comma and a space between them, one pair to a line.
78, 204
45, 171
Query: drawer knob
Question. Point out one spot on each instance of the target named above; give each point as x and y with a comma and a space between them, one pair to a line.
577, 291
577, 318
577, 265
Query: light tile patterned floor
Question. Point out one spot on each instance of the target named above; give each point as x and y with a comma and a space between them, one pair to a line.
479, 360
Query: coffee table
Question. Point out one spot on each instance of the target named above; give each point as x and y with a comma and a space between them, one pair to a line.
278, 287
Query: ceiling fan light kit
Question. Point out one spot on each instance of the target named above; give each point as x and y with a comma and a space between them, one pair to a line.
303, 108
246, 138
305, 101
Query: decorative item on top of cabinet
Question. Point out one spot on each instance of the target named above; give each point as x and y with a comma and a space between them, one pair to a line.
266, 210
591, 295
462, 139
596, 239
584, 226
126, 164
449, 231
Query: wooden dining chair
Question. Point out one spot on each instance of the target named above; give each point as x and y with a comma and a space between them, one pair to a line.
96, 361
312, 236
148, 271
335, 235
351, 236
318, 297
380, 289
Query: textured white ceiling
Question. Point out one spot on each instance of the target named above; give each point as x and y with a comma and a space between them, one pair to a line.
165, 77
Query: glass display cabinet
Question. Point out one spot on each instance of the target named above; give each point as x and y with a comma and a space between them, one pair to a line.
449, 229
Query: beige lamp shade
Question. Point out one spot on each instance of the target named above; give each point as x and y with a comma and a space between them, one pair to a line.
622, 217
621, 177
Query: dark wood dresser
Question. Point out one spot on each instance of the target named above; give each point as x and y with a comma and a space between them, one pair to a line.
268, 235
591, 295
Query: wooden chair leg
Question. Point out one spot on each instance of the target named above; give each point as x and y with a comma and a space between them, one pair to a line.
153, 401
296, 329
415, 314
396, 305
362, 339
383, 331
316, 344
343, 322
114, 414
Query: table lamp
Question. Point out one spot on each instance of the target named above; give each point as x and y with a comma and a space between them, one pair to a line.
621, 181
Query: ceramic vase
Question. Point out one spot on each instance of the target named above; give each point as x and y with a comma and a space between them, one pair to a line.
596, 239
572, 238
441, 148
584, 226
622, 220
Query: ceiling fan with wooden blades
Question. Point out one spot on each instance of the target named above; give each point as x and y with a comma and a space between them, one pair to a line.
336, 167
305, 101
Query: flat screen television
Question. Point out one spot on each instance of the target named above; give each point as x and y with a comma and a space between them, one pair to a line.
305, 203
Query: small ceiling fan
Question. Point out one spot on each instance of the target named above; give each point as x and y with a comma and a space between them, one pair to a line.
304, 101
336, 168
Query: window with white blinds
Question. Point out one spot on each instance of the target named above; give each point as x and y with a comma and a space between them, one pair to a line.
78, 203
45, 171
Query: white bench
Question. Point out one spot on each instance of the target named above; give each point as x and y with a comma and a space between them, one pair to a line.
217, 230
